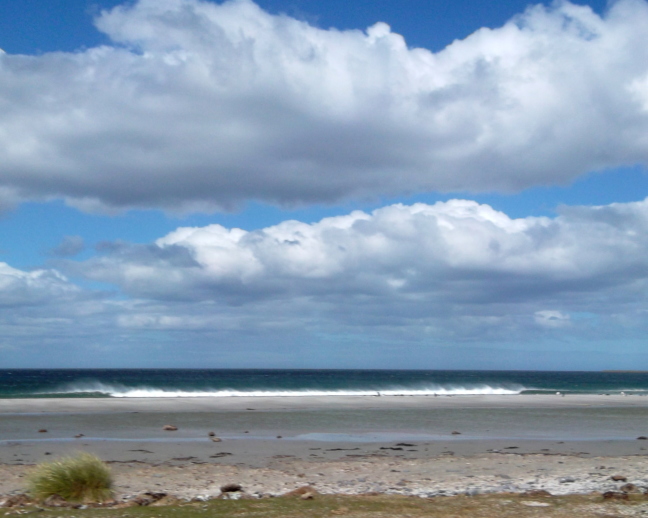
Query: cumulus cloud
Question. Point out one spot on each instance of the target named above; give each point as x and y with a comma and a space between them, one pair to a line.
454, 269
21, 288
431, 279
201, 106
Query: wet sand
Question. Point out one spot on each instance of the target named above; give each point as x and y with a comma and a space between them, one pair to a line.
339, 445
225, 404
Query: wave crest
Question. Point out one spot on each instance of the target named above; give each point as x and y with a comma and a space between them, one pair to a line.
121, 391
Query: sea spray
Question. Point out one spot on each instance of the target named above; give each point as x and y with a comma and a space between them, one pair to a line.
179, 383
151, 392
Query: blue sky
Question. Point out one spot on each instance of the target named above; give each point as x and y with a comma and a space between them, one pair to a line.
317, 184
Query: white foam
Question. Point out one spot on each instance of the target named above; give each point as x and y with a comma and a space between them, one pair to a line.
120, 391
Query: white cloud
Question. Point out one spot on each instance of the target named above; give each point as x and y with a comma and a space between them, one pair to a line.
458, 268
551, 318
47, 321
18, 287
198, 106
381, 287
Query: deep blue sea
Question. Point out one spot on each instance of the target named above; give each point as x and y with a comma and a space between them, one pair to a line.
86, 383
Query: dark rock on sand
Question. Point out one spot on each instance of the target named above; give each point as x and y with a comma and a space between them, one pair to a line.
455, 432
231, 488
629, 488
642, 438
169, 428
148, 498
618, 478
42, 430
15, 501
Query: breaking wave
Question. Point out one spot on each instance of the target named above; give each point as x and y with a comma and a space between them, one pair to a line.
121, 391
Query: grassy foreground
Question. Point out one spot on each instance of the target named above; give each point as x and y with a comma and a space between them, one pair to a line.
381, 506
83, 478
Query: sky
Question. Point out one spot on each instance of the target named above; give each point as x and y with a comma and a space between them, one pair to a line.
324, 184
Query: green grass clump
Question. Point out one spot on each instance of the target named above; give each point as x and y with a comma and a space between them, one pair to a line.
83, 478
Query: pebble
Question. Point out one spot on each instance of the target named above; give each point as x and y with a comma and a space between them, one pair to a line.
432, 476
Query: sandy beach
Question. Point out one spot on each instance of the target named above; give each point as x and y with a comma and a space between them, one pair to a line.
424, 446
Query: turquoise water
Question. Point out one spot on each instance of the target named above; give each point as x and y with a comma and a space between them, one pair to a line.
86, 383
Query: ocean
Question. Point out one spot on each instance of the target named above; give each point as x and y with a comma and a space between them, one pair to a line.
185, 383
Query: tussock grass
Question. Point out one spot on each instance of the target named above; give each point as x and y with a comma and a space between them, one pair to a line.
82, 478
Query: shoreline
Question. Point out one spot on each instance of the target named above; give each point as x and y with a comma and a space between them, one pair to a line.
209, 403
602, 422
